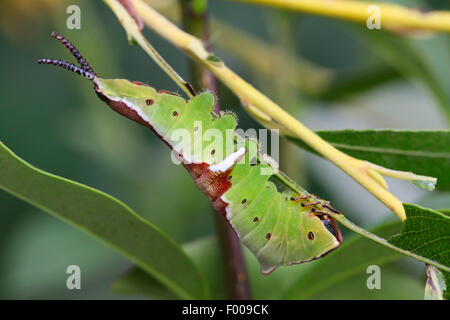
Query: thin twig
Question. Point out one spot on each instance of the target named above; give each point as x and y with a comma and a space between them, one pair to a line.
234, 263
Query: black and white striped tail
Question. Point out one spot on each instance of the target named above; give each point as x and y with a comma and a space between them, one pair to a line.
68, 66
85, 69
82, 61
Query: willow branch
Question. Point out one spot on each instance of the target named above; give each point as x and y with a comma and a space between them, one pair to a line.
234, 263
393, 16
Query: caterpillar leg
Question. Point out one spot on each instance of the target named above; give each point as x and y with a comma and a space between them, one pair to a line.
298, 199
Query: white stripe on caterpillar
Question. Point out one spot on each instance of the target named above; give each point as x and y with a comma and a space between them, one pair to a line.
229, 161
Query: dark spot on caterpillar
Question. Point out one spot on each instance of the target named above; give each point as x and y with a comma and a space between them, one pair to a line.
268, 236
175, 114
195, 129
229, 177
149, 102
244, 201
267, 187
213, 151
255, 219
311, 236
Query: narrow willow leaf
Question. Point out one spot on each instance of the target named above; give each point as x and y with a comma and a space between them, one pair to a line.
435, 285
426, 232
106, 219
421, 152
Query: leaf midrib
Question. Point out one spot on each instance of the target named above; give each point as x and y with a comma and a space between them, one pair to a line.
413, 153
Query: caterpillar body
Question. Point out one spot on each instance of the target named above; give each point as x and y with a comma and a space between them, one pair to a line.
279, 227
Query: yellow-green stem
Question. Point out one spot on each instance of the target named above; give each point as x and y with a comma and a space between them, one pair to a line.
392, 16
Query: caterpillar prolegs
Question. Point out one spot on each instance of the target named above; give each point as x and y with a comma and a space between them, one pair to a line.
279, 227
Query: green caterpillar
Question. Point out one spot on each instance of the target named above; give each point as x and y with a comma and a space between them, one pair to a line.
280, 228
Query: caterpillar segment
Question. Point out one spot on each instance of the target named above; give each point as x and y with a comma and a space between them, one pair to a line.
279, 227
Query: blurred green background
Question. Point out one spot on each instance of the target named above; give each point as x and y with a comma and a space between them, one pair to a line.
53, 120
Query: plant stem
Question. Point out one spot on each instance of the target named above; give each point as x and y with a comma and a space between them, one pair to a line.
392, 16
234, 264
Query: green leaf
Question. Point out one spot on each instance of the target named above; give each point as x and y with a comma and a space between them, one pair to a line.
342, 265
106, 219
427, 233
421, 152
